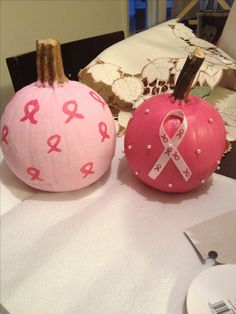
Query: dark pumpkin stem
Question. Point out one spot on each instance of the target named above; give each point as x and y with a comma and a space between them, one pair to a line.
187, 74
49, 63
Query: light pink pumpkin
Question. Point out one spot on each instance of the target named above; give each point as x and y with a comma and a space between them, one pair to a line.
175, 142
59, 136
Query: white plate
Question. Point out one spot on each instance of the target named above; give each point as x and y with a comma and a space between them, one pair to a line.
213, 291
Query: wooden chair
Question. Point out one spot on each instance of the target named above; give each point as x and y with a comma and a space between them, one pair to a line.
76, 55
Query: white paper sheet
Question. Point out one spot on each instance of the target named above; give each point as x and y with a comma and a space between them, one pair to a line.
115, 247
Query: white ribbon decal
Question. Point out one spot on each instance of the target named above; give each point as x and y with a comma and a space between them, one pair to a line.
170, 148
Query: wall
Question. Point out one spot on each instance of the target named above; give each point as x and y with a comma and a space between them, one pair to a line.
22, 22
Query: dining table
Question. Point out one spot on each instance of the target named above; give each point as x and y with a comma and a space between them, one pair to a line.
114, 247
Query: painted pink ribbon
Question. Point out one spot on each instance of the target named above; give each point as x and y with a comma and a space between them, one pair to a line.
53, 142
30, 112
71, 113
170, 148
87, 169
34, 173
5, 132
103, 131
97, 98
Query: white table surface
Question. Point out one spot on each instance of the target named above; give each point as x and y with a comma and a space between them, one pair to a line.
116, 247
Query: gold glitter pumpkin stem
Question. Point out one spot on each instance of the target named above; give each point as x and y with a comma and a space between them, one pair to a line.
49, 63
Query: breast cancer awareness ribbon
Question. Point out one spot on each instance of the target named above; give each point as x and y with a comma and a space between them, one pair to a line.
103, 131
53, 142
170, 151
34, 173
71, 113
30, 109
5, 132
97, 98
87, 169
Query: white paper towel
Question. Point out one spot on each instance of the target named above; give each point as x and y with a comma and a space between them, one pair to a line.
116, 247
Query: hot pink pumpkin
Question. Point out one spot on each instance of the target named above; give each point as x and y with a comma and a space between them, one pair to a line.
175, 142
57, 135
